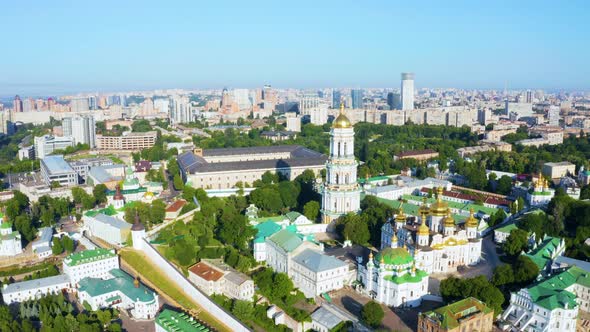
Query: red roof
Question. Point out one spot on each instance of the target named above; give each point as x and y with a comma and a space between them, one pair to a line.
488, 199
415, 153
205, 271
176, 206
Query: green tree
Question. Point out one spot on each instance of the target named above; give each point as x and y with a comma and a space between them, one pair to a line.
244, 310
289, 193
354, 229
503, 275
516, 242
372, 314
100, 193
504, 186
177, 181
525, 270
68, 244
311, 210
56, 247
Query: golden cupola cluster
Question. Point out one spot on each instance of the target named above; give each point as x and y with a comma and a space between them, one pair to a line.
440, 207
448, 221
471, 220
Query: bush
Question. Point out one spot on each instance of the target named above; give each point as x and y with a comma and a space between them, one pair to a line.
372, 314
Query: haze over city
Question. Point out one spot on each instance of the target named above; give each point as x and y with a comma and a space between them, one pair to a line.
71, 46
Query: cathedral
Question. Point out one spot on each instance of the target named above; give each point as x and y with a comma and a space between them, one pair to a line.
437, 243
341, 192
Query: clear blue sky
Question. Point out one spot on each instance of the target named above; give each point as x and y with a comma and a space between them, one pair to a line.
67, 46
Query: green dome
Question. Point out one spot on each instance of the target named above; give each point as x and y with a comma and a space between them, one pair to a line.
395, 256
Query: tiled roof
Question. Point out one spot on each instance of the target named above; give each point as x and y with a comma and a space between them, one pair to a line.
206, 271
176, 206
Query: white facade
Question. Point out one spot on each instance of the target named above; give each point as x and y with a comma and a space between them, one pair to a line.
110, 229
341, 193
10, 242
35, 289
215, 277
90, 263
438, 244
407, 91
180, 110
82, 129
45, 145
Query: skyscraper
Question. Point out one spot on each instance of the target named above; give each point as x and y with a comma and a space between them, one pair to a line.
407, 91
308, 102
92, 102
394, 101
82, 129
180, 111
336, 98
357, 98
18, 104
79, 105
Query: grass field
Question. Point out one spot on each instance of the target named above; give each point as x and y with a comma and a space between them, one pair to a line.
154, 276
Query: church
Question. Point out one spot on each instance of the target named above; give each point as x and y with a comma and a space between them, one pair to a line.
437, 243
341, 193
392, 277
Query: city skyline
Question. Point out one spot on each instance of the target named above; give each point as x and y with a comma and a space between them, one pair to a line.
139, 46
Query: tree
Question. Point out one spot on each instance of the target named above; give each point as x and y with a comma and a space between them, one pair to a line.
288, 192
453, 289
311, 210
244, 310
504, 186
585, 192
68, 244
100, 193
56, 247
516, 242
525, 270
372, 314
281, 286
355, 229
503, 275
178, 183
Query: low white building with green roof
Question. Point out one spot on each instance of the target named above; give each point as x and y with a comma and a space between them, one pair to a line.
119, 291
551, 305
174, 321
10, 241
392, 278
95, 263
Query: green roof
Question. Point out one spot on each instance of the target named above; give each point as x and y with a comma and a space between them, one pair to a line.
286, 239
292, 215
449, 316
6, 225
453, 205
109, 211
551, 293
407, 277
544, 252
265, 219
507, 229
174, 321
395, 256
121, 282
88, 256
127, 191
412, 209
265, 230
542, 193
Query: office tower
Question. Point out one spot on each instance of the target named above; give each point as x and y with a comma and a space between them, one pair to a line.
78, 105
394, 101
241, 97
147, 108
102, 102
161, 105
553, 115
92, 103
318, 115
308, 102
18, 104
180, 111
407, 91
82, 129
529, 97
28, 105
123, 100
357, 98
336, 98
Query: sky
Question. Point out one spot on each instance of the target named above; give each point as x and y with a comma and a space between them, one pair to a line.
53, 47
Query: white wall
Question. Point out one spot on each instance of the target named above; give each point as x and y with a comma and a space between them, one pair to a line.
191, 291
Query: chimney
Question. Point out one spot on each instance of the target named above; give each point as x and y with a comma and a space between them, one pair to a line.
198, 152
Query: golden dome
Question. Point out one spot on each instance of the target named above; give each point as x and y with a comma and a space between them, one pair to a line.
423, 208
401, 217
471, 221
439, 208
423, 229
448, 220
341, 121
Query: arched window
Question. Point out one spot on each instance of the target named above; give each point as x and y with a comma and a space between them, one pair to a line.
345, 150
338, 154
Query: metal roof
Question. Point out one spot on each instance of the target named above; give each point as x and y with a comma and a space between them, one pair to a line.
112, 221
57, 165
36, 283
318, 262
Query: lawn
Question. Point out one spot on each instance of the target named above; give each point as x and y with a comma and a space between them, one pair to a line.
151, 273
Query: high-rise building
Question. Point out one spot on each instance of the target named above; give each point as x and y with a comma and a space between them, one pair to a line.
529, 97
82, 129
180, 111
78, 105
18, 104
407, 91
147, 108
28, 105
308, 102
357, 98
92, 102
341, 193
242, 98
336, 98
394, 101
553, 115
162, 105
